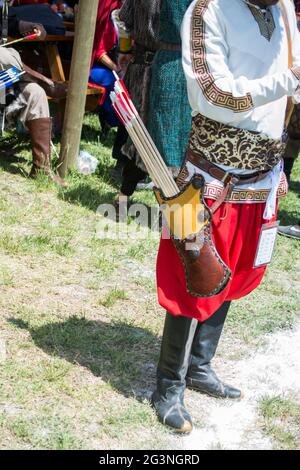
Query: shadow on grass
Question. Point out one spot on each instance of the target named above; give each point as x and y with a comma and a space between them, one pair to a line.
122, 355
92, 134
288, 212
10, 148
288, 217
295, 186
85, 195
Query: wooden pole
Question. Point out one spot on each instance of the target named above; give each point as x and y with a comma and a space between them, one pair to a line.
79, 75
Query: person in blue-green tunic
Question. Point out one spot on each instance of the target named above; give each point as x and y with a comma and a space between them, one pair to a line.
169, 119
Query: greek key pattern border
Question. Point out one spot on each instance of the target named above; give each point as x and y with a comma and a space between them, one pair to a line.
212, 191
205, 79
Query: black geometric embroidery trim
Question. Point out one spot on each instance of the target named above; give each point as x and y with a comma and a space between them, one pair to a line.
265, 21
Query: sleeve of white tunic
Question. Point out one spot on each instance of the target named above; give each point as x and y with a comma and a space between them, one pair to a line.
213, 89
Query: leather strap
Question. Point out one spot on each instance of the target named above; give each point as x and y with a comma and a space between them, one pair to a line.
230, 180
142, 56
222, 175
37, 75
168, 46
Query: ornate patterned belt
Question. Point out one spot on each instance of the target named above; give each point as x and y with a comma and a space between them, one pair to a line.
230, 146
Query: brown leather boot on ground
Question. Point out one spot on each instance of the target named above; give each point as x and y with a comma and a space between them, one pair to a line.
40, 133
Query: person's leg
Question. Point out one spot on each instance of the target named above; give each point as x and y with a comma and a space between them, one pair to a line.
118, 155
10, 58
36, 102
120, 140
168, 398
132, 175
104, 77
200, 375
291, 153
35, 116
293, 144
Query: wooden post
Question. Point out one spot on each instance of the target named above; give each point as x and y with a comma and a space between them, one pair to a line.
79, 75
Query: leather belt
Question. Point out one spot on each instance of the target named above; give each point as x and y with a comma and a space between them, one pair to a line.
230, 180
142, 56
222, 175
169, 46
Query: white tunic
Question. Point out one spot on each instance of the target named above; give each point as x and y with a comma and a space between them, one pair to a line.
237, 69
250, 70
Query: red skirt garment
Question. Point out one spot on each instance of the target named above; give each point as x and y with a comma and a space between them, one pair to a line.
236, 239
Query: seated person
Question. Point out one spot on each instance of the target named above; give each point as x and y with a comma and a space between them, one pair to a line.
104, 60
61, 7
17, 3
31, 104
66, 9
41, 11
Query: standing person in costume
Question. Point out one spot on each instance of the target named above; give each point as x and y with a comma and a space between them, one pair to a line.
241, 60
169, 120
141, 18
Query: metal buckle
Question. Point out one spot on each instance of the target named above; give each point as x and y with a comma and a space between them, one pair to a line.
226, 175
232, 182
148, 57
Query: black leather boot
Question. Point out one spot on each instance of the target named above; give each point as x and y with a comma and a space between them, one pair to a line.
172, 368
200, 375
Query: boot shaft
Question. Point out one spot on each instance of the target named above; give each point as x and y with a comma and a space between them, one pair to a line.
207, 338
176, 346
168, 398
40, 133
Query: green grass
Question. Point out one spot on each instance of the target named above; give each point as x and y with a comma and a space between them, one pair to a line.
79, 313
103, 264
282, 421
112, 297
34, 244
40, 433
6, 277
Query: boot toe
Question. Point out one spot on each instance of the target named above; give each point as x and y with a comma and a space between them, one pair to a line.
214, 387
186, 428
232, 392
178, 419
173, 415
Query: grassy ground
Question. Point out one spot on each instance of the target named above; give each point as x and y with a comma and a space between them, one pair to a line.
282, 421
80, 326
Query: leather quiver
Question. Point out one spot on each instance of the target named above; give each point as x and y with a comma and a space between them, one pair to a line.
189, 221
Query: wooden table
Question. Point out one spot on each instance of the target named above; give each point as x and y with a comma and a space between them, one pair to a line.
69, 25
55, 64
50, 44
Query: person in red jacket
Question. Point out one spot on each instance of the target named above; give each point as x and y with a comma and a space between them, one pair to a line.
104, 61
